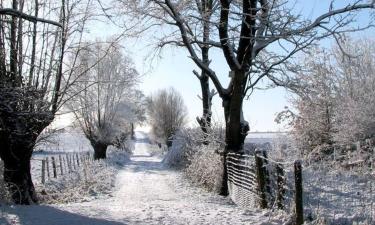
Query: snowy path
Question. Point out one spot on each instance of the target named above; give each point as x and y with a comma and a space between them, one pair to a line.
146, 193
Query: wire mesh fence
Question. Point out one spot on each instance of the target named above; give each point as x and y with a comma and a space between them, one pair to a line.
308, 193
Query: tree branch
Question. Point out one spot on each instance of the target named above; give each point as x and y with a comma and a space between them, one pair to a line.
12, 12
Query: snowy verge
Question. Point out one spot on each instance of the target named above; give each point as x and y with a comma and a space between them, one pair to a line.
94, 179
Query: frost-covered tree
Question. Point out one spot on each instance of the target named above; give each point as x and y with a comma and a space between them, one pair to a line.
334, 97
257, 39
315, 102
35, 39
167, 114
106, 101
355, 111
197, 16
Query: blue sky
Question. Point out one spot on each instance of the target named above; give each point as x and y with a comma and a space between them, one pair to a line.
174, 69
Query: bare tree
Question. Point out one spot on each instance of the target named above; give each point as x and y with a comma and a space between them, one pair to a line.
198, 15
167, 114
258, 39
106, 101
35, 39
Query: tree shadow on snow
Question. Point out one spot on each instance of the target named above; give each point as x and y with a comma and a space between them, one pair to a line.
47, 215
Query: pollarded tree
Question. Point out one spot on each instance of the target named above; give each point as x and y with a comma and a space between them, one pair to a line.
167, 114
34, 39
258, 39
105, 100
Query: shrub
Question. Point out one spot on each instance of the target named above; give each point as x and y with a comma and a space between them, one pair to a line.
206, 167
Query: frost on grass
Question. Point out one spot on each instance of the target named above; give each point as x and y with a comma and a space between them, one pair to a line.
339, 196
92, 180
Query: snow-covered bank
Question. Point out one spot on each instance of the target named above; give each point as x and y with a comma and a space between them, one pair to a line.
146, 192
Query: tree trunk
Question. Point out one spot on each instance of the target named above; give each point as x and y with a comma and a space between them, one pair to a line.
18, 179
100, 150
17, 148
205, 120
132, 131
18, 135
169, 142
236, 127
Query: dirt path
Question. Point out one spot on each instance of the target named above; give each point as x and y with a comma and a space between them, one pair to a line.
146, 193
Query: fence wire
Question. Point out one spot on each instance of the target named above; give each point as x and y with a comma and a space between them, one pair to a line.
336, 195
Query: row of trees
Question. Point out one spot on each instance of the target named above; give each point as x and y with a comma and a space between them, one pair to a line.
41, 41
335, 97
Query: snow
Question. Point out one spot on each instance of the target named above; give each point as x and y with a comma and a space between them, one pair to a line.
146, 192
68, 140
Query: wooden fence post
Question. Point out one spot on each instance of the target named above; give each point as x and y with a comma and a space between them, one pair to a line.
43, 171
280, 186
267, 175
73, 161
67, 162
47, 163
261, 179
54, 167
61, 165
77, 157
299, 192
64, 164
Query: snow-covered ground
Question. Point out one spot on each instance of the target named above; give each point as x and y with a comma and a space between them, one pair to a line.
146, 192
67, 140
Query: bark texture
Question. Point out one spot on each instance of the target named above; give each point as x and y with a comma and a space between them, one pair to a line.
100, 149
18, 135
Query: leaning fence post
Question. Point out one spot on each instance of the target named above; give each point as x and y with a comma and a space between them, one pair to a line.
43, 171
261, 179
54, 167
61, 165
280, 186
298, 197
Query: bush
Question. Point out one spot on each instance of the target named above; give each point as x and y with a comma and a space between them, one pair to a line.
184, 145
206, 167
201, 163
